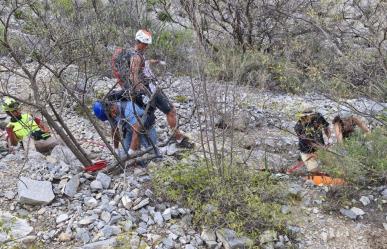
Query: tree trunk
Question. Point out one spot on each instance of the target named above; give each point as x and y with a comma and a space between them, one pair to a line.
75, 149
69, 133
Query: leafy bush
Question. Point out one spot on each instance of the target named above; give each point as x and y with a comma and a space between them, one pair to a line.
230, 63
321, 48
286, 75
245, 200
67, 6
181, 99
360, 160
255, 68
173, 47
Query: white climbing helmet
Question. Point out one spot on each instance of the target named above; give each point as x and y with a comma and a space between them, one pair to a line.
307, 109
144, 36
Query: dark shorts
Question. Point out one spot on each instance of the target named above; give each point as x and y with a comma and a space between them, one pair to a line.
161, 102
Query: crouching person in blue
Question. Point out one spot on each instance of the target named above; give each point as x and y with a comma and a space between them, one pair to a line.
125, 117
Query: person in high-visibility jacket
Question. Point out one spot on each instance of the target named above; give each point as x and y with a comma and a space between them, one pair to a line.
24, 128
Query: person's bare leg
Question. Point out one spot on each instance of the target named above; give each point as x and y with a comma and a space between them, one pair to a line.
172, 122
135, 143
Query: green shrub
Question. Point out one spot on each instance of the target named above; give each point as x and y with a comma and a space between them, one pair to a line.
337, 86
360, 160
255, 68
181, 99
286, 75
230, 63
245, 200
67, 6
172, 46
164, 17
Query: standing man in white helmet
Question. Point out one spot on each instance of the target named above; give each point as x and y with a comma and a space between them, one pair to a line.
139, 83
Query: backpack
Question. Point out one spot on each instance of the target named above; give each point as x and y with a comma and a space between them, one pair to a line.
121, 66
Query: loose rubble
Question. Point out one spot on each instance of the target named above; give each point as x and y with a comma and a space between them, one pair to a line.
18, 228
93, 210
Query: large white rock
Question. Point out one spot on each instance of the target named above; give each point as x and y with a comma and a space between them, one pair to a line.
96, 185
62, 153
104, 179
358, 211
35, 192
158, 217
365, 200
18, 228
72, 186
61, 218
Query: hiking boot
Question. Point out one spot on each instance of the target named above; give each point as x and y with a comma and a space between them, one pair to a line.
137, 163
185, 143
141, 164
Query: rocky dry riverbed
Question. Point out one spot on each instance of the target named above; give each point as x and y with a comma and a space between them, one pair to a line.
64, 207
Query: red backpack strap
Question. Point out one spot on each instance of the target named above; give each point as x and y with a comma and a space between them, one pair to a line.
141, 56
115, 71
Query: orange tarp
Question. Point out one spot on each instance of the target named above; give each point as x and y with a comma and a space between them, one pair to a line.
325, 180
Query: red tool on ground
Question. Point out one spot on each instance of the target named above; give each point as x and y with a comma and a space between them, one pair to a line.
295, 167
96, 166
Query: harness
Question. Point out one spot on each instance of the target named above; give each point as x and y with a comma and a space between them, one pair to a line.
121, 66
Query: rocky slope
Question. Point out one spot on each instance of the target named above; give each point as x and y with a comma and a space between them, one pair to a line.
94, 210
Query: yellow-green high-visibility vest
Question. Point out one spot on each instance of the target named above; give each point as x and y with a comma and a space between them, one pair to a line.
25, 126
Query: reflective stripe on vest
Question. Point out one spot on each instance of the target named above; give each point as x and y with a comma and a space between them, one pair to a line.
25, 126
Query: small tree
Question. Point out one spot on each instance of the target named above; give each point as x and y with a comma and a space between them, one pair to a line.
43, 59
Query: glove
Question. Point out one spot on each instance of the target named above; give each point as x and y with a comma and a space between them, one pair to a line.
9, 130
145, 99
120, 152
40, 135
152, 87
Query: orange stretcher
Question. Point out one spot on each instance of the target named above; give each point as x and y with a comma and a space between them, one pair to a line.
318, 178
325, 180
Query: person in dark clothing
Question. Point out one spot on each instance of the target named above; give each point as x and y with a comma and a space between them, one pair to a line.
344, 127
309, 129
123, 115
